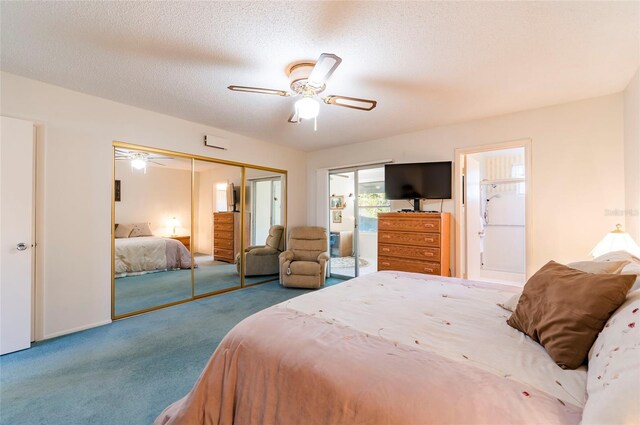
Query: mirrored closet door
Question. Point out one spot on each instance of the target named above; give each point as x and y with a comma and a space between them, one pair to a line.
152, 212
181, 223
218, 224
264, 194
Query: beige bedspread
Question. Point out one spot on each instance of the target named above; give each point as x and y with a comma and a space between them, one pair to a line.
139, 255
388, 348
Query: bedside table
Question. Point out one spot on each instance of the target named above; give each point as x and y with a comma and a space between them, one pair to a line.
186, 240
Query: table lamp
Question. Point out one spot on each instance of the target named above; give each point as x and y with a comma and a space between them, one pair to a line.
616, 240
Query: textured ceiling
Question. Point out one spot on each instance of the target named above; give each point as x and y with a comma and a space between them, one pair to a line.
427, 63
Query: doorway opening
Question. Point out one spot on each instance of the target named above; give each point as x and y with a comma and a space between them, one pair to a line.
356, 198
263, 192
493, 239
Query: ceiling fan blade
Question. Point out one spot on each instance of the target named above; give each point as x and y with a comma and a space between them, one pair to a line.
157, 163
351, 102
259, 90
294, 118
326, 64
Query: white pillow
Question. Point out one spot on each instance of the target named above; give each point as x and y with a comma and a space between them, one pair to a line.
511, 303
613, 379
599, 266
140, 229
633, 268
618, 256
123, 230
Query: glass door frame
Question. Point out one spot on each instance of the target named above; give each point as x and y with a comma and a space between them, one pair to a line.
273, 180
356, 214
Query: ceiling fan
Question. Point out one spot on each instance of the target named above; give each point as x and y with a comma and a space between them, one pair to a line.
139, 159
308, 79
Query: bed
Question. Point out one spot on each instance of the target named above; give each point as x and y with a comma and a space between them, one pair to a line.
396, 348
147, 254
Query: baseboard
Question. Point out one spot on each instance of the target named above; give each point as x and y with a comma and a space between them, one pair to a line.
73, 330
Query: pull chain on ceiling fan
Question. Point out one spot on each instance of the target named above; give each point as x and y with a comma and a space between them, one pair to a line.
308, 79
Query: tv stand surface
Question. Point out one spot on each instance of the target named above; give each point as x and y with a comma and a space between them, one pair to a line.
408, 210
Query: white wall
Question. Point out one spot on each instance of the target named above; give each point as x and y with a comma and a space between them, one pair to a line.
75, 134
577, 166
155, 197
632, 156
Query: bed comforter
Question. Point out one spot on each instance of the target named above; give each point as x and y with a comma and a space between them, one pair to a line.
387, 348
146, 254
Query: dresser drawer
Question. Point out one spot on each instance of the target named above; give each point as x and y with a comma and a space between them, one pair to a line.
223, 228
416, 266
223, 218
221, 253
409, 224
223, 243
405, 238
404, 251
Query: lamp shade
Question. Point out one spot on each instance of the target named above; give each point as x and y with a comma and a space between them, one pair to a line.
616, 240
307, 108
174, 222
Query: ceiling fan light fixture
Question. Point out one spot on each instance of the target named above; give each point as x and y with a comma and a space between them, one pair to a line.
139, 161
138, 164
307, 108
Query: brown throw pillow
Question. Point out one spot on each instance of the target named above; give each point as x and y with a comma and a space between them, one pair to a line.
565, 309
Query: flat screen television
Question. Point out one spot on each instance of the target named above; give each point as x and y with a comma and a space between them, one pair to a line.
422, 180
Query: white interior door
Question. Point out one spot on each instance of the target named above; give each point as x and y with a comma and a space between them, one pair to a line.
473, 219
16, 233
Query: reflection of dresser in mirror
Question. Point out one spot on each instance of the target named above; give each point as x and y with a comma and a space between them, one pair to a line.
226, 235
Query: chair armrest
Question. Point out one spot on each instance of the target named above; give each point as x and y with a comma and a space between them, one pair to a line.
286, 256
323, 257
249, 248
262, 251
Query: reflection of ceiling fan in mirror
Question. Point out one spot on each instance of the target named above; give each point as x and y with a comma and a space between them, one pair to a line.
139, 159
308, 79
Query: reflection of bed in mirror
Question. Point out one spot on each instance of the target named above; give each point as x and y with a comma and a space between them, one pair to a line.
146, 254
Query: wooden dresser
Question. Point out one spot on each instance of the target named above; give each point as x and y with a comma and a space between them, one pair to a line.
226, 235
414, 242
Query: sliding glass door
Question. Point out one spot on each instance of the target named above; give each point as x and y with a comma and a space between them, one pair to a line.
356, 198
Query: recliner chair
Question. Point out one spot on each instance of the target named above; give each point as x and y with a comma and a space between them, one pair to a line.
263, 259
304, 263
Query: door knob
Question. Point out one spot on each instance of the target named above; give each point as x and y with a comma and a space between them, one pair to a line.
21, 246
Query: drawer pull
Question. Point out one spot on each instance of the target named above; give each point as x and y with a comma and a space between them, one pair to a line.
386, 236
386, 249
384, 263
428, 225
427, 269
428, 239
428, 254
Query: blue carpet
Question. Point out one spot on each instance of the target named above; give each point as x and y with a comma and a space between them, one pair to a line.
135, 293
126, 372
